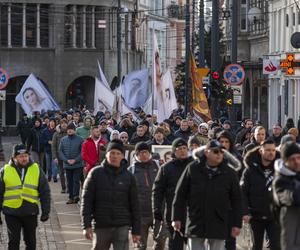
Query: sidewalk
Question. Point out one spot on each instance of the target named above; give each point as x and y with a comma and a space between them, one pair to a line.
63, 230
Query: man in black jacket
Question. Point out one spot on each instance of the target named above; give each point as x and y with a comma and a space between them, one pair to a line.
110, 199
145, 170
286, 192
209, 188
35, 143
24, 128
164, 190
256, 186
22, 186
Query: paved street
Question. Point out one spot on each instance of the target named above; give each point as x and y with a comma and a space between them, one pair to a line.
63, 231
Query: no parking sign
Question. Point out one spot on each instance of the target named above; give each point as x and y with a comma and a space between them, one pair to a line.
3, 78
234, 74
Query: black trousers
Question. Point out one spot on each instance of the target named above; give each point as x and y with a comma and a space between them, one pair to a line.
14, 227
176, 241
273, 232
116, 236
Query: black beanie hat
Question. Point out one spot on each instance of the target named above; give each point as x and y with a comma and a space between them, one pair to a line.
142, 146
289, 149
71, 125
115, 144
178, 143
19, 149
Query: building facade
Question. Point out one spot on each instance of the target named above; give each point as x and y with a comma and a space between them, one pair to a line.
253, 46
284, 101
61, 41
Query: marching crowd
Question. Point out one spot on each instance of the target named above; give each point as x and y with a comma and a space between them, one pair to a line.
196, 195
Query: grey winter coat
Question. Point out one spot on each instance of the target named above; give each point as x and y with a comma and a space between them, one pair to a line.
70, 149
286, 192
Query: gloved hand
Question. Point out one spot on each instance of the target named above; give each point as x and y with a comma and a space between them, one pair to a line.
44, 217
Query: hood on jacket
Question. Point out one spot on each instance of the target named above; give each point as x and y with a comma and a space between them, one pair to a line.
282, 169
233, 162
84, 121
252, 157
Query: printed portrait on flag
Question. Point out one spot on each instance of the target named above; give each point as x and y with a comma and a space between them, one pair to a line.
35, 97
135, 88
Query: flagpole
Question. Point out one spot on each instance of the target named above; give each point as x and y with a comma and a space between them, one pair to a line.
153, 75
187, 57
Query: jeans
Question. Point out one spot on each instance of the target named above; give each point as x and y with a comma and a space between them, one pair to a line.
201, 244
73, 179
273, 232
62, 174
14, 227
116, 236
50, 166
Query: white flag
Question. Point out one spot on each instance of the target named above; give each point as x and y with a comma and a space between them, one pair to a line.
135, 88
33, 96
102, 76
104, 98
148, 106
169, 98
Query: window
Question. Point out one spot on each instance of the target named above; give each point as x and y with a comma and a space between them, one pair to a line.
16, 25
294, 19
44, 25
243, 15
68, 26
287, 20
3, 26
31, 25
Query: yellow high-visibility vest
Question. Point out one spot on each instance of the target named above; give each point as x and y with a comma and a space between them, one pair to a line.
15, 191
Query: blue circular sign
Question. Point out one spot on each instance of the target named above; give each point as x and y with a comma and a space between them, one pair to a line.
234, 74
3, 78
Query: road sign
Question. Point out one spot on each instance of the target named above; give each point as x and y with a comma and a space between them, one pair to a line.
290, 64
234, 74
205, 80
101, 24
2, 95
3, 78
237, 99
229, 102
237, 90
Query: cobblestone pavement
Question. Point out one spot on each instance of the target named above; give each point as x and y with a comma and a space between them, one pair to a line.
63, 230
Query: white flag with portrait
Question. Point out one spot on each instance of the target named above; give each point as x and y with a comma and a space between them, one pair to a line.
102, 76
33, 96
104, 98
135, 88
168, 95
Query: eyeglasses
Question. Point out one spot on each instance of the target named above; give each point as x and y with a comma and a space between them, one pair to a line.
217, 151
124, 137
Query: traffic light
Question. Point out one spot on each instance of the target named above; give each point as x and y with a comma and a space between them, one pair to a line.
295, 40
215, 75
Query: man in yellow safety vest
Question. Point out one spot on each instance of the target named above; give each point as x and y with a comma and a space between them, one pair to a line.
23, 186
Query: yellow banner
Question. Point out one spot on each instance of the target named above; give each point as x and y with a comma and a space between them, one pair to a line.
199, 102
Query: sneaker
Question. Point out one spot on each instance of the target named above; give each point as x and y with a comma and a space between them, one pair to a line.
76, 199
63, 191
70, 201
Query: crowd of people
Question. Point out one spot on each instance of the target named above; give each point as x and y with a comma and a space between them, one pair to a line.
212, 179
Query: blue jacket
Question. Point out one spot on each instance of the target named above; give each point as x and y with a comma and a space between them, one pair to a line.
46, 136
70, 148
